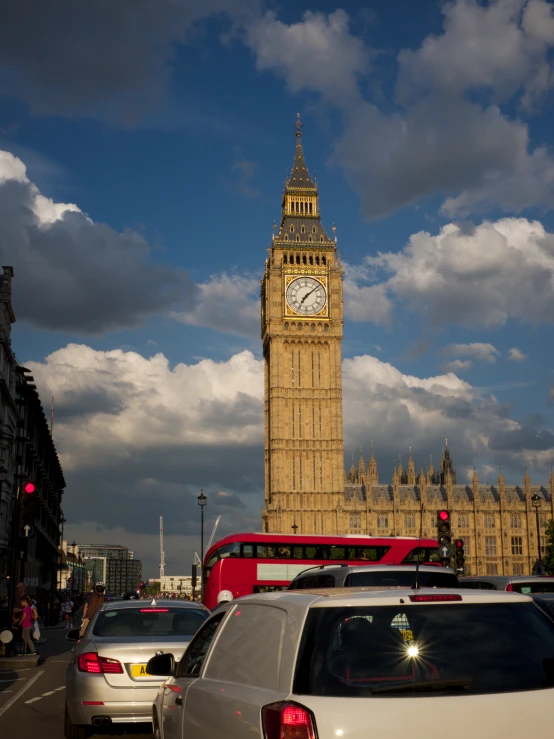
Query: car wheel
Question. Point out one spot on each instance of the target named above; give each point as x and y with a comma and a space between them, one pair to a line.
73, 731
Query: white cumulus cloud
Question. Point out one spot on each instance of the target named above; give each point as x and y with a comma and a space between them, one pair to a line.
516, 355
478, 350
458, 365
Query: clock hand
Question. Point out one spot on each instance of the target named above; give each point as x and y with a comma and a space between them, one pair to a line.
308, 294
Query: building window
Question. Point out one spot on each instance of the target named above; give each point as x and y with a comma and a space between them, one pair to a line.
490, 522
518, 568
303, 229
355, 520
490, 546
517, 545
542, 520
492, 569
515, 520
313, 229
542, 545
463, 521
409, 521
467, 547
382, 521
292, 229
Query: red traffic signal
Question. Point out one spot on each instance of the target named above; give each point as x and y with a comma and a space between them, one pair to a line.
459, 544
444, 515
30, 488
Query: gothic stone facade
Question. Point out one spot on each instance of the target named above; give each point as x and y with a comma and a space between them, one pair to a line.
496, 522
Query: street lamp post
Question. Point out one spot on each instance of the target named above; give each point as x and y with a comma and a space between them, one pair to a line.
294, 528
536, 501
202, 500
59, 580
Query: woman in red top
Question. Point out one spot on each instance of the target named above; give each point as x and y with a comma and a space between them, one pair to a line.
27, 624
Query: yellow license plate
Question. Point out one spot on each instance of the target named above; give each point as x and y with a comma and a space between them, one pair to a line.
138, 671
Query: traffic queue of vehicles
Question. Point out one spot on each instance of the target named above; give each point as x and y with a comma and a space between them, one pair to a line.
324, 657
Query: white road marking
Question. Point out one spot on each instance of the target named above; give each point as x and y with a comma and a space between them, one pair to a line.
50, 692
19, 693
34, 699
62, 688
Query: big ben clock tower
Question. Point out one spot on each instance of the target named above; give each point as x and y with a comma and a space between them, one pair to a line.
302, 321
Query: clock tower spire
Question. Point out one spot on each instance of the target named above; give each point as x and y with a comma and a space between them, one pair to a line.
302, 322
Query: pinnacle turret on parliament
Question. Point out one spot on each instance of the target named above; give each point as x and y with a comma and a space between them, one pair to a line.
306, 488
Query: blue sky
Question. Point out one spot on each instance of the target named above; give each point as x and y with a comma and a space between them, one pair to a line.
168, 129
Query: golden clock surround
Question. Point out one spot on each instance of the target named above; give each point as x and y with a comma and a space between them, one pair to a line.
321, 277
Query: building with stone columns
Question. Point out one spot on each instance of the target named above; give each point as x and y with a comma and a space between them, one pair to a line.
306, 489
496, 522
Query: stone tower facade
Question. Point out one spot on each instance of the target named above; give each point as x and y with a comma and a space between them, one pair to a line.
302, 326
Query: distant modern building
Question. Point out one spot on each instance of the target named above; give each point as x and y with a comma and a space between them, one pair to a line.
74, 576
113, 565
174, 585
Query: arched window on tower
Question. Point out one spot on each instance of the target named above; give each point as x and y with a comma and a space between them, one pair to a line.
317, 260
304, 259
311, 259
286, 237
285, 259
292, 229
298, 259
314, 229
323, 260
310, 238
303, 229
321, 238
310, 211
297, 237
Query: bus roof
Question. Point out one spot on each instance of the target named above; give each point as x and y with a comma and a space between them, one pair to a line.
260, 538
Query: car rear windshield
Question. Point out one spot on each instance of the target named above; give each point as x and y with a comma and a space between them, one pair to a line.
533, 587
402, 578
149, 622
453, 648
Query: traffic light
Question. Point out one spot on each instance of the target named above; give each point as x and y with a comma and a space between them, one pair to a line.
444, 537
28, 504
459, 558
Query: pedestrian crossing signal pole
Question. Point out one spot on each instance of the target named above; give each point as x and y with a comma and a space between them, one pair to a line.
444, 537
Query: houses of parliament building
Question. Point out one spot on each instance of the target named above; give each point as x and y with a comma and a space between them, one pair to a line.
306, 488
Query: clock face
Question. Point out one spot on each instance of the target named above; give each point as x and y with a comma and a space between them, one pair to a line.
306, 296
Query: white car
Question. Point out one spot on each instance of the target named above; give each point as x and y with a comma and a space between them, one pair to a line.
383, 664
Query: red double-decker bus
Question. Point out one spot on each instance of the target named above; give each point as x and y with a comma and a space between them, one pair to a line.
255, 563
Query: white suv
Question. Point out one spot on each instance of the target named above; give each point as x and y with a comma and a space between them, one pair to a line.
313, 665
374, 576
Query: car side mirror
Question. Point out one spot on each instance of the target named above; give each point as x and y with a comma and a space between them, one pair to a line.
73, 635
162, 665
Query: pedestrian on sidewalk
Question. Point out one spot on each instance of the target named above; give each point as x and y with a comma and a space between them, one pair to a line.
67, 610
27, 624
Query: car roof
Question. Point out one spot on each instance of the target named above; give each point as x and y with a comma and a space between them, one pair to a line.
354, 597
373, 568
120, 605
506, 578
542, 596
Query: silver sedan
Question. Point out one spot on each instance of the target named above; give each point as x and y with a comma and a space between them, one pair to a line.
106, 681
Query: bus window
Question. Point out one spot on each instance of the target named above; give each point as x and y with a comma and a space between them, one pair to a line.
369, 554
337, 552
423, 554
283, 551
264, 552
229, 550
317, 552
247, 550
298, 552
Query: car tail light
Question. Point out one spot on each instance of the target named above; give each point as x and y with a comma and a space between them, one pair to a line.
434, 598
92, 663
110, 665
154, 610
510, 587
288, 721
89, 662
